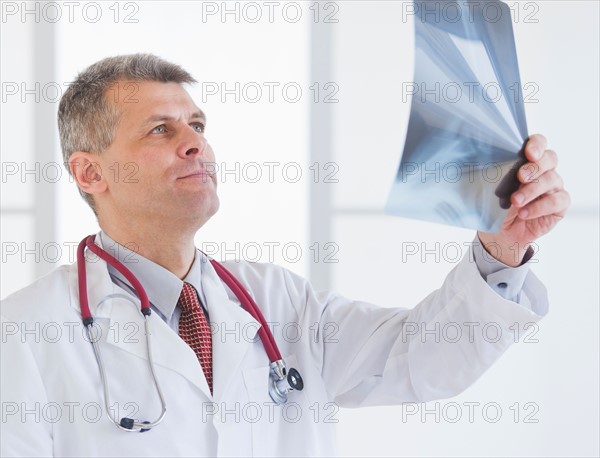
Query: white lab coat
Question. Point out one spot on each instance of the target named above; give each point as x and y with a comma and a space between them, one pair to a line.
349, 353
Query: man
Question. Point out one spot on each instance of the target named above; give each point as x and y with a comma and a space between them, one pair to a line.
134, 110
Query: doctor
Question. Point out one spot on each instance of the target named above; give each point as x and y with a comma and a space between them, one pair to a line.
134, 110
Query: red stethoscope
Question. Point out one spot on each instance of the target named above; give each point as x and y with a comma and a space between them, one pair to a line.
281, 380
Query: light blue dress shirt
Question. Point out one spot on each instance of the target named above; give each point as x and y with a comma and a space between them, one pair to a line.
505, 280
163, 287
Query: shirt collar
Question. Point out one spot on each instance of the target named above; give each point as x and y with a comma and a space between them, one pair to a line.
162, 286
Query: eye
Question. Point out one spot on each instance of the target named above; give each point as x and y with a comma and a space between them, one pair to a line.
159, 129
199, 127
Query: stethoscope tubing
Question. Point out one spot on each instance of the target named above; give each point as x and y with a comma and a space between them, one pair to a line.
250, 306
278, 369
89, 243
233, 283
88, 321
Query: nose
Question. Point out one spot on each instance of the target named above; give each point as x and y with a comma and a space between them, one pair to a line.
192, 143
192, 151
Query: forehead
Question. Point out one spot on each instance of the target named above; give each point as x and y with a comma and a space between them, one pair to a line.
139, 100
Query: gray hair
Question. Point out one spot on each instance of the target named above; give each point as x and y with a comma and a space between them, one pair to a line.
87, 118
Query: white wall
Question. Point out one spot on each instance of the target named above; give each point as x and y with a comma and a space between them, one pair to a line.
372, 54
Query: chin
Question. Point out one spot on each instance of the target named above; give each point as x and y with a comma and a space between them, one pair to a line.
201, 209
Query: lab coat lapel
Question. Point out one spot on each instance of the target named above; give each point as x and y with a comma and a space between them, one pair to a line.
168, 349
234, 329
125, 327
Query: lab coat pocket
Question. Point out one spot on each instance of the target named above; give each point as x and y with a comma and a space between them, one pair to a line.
279, 430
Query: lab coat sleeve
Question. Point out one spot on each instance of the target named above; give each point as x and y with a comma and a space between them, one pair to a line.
25, 430
369, 355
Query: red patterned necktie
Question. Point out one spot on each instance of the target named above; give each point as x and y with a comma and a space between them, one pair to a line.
195, 330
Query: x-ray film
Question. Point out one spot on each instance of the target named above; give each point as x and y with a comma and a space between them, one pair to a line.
467, 125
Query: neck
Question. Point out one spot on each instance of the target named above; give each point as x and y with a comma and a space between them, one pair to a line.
173, 250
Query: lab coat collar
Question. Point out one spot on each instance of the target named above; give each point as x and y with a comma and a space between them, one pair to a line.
234, 329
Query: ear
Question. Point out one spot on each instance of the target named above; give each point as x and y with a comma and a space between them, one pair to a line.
87, 172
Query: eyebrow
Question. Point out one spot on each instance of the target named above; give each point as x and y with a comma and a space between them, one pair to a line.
162, 118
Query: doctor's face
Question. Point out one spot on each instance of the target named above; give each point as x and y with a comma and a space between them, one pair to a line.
157, 165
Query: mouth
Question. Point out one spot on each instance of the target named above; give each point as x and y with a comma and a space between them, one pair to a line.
198, 174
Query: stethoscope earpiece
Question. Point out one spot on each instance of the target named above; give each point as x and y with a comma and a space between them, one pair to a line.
129, 424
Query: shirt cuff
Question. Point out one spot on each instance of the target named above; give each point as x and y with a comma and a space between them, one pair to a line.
507, 281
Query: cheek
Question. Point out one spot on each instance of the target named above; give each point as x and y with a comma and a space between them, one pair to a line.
152, 167
209, 154
121, 167
133, 179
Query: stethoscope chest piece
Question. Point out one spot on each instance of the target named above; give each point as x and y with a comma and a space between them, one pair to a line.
281, 382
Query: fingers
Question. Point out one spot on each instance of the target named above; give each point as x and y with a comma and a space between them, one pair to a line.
542, 192
547, 183
535, 147
555, 203
531, 171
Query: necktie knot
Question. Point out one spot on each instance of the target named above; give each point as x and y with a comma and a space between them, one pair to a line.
188, 299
